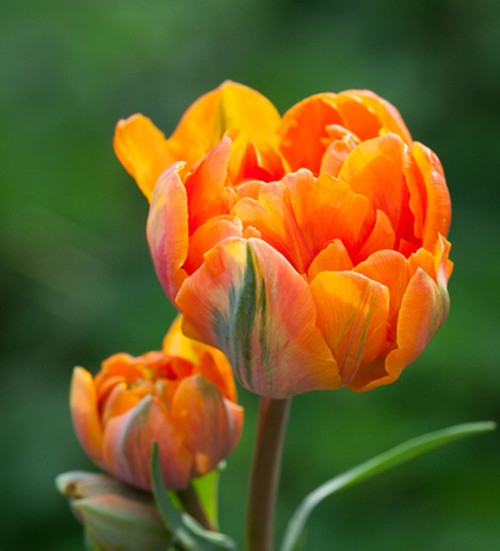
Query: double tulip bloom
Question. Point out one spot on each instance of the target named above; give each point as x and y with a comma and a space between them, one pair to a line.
182, 397
310, 248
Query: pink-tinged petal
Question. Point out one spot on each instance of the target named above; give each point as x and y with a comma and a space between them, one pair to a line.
167, 230
334, 257
85, 414
301, 214
438, 215
390, 269
208, 235
381, 237
249, 189
206, 184
353, 315
142, 150
377, 169
304, 131
210, 428
366, 113
247, 300
230, 106
128, 440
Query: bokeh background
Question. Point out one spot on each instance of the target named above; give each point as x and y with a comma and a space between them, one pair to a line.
77, 282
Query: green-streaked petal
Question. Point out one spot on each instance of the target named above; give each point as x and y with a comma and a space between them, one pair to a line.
247, 300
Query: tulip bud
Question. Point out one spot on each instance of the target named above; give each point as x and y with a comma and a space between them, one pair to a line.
115, 516
182, 397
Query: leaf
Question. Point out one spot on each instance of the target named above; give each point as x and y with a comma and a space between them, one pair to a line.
187, 532
377, 465
207, 489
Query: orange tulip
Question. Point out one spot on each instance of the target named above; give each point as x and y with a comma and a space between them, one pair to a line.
183, 397
311, 249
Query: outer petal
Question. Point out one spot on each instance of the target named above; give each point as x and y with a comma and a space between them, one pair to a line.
247, 300
424, 308
334, 257
142, 150
127, 446
211, 428
167, 230
353, 315
85, 414
365, 113
229, 106
438, 215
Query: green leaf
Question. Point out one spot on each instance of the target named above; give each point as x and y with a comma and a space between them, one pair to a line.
186, 531
207, 490
377, 465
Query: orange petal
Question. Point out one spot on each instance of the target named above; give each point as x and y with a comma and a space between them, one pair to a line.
205, 185
343, 142
438, 215
142, 150
209, 362
267, 330
85, 414
211, 430
390, 269
208, 235
229, 106
254, 160
352, 315
377, 169
304, 131
300, 215
128, 440
334, 257
381, 237
119, 401
366, 113
167, 230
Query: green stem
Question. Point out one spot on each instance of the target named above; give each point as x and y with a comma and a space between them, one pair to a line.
273, 415
191, 504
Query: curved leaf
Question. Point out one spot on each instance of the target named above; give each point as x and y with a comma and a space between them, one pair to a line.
377, 465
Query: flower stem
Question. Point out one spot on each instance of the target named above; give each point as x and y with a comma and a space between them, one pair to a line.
191, 504
273, 415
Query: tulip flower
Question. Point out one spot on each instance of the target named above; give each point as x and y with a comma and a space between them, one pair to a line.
310, 248
182, 397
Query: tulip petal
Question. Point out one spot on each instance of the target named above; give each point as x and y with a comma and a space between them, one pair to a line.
205, 185
304, 131
365, 113
390, 269
210, 428
142, 150
438, 215
247, 300
352, 315
209, 362
334, 257
128, 440
301, 214
377, 169
424, 308
381, 237
229, 106
85, 414
167, 230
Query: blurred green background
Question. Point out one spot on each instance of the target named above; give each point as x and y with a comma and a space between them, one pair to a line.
77, 282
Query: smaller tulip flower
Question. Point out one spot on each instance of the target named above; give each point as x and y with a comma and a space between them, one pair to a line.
182, 397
